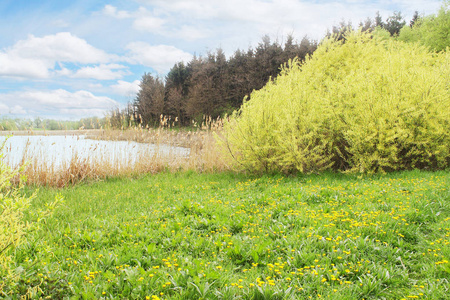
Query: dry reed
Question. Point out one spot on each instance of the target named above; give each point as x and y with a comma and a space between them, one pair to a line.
204, 155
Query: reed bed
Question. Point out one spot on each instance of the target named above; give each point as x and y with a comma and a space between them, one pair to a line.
203, 155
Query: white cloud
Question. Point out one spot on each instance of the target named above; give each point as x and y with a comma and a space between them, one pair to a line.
125, 88
95, 86
161, 57
63, 72
102, 72
144, 20
4, 109
36, 56
191, 33
58, 103
237, 19
159, 21
196, 8
62, 46
12, 65
148, 23
17, 110
112, 11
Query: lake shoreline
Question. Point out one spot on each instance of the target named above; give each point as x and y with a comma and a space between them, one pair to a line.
50, 132
65, 157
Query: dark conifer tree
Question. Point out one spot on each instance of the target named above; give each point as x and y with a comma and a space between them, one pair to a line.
176, 92
149, 102
394, 23
414, 19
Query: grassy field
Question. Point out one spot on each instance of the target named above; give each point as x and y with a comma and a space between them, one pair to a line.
225, 236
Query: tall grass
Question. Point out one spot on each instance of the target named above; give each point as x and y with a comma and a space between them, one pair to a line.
204, 155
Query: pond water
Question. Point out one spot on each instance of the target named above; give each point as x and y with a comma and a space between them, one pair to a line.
58, 150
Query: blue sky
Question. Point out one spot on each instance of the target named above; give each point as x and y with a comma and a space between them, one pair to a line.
75, 59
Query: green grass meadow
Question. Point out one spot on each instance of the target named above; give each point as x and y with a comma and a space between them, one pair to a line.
232, 236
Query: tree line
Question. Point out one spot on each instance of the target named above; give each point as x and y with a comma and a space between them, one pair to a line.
213, 85
38, 123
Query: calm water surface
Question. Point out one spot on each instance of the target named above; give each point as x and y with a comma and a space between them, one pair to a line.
57, 150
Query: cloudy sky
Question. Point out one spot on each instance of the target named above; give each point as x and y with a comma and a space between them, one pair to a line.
74, 59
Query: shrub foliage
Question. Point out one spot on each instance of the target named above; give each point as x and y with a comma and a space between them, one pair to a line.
432, 31
14, 206
360, 104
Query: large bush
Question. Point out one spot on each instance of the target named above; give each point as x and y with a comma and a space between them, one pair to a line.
363, 105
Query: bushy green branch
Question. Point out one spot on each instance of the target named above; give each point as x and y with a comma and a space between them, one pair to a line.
14, 204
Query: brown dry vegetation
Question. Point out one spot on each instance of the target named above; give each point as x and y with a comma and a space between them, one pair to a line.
204, 156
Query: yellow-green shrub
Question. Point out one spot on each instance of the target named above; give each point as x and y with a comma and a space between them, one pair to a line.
14, 203
365, 105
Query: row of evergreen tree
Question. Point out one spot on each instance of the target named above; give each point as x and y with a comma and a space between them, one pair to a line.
213, 85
